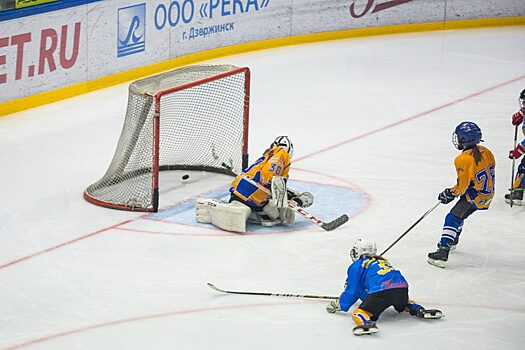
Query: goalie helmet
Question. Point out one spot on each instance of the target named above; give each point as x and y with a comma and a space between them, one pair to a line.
521, 99
285, 143
466, 135
362, 247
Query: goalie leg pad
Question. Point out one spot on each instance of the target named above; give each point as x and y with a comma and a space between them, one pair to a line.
287, 216
201, 210
279, 194
227, 216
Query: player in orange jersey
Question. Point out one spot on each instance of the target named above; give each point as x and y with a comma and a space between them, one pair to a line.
475, 168
258, 195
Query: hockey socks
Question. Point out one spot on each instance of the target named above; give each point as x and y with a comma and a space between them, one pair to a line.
451, 230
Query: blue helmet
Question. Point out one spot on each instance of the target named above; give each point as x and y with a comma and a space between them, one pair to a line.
466, 135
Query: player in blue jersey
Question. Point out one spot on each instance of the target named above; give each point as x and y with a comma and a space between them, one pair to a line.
378, 285
519, 183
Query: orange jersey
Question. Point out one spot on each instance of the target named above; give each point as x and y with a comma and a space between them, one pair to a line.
253, 186
475, 181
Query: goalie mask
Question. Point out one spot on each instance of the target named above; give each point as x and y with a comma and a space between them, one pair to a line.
363, 247
521, 99
285, 143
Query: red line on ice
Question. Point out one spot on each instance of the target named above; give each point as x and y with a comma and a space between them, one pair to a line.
209, 309
417, 116
134, 319
62, 244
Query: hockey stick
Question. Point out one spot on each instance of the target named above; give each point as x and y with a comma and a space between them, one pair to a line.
327, 226
513, 164
410, 228
273, 294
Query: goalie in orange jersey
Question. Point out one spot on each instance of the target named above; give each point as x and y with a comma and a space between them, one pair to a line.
475, 168
258, 195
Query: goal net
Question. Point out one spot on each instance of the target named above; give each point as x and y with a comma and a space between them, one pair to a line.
193, 118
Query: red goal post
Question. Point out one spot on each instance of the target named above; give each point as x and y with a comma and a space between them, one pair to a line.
192, 118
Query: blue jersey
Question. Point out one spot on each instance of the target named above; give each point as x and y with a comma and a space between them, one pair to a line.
369, 275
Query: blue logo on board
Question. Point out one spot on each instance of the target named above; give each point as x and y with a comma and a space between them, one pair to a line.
131, 31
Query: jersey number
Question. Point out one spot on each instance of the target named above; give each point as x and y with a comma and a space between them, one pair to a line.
483, 179
273, 169
385, 267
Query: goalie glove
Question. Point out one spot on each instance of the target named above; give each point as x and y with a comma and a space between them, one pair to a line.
279, 198
333, 307
303, 200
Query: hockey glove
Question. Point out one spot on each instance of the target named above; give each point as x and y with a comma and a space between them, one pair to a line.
446, 196
517, 118
333, 307
517, 152
303, 200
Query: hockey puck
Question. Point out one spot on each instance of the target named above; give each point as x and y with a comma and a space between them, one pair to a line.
185, 177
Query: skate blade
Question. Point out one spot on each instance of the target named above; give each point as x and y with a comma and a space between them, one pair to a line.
361, 331
270, 223
433, 316
438, 263
514, 202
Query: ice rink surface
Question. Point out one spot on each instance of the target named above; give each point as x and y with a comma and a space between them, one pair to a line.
371, 120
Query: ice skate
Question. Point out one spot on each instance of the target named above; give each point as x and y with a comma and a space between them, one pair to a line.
368, 328
439, 257
264, 220
517, 197
420, 312
429, 314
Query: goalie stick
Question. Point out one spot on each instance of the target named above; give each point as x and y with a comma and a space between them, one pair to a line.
327, 226
285, 295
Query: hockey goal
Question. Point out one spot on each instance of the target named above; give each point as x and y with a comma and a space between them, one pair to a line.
193, 118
